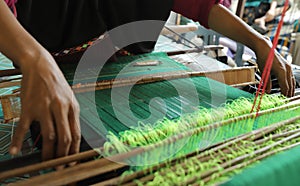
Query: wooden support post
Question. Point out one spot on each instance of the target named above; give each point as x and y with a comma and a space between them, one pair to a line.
240, 8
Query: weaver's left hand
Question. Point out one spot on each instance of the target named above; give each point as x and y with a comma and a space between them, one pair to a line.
47, 98
281, 69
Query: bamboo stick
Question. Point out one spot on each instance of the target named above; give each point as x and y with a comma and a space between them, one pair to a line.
259, 158
257, 142
73, 174
82, 171
48, 164
240, 159
10, 84
10, 72
206, 157
101, 85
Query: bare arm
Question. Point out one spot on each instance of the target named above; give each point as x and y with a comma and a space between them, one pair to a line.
224, 22
45, 95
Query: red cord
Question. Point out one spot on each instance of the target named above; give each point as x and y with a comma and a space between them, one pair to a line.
268, 66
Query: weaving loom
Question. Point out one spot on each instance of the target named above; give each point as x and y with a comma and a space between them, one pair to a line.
181, 132
157, 122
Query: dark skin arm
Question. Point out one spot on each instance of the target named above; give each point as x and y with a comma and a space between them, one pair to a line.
239, 31
45, 95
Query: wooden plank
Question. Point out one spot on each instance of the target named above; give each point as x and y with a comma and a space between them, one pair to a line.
234, 76
240, 8
10, 84
47, 164
238, 75
10, 72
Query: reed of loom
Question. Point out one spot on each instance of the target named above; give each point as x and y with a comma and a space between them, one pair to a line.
247, 77
102, 166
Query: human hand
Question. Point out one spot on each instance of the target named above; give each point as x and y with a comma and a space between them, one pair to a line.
281, 69
47, 98
270, 15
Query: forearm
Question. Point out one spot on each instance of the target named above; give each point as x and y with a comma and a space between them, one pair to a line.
229, 25
16, 43
224, 22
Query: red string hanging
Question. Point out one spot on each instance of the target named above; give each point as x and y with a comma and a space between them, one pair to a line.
268, 66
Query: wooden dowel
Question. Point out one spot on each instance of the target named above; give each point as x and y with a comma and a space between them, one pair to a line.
101, 85
256, 142
276, 136
48, 164
259, 158
239, 160
82, 171
68, 175
10, 72
10, 84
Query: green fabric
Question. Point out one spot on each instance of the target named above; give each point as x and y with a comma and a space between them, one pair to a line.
112, 69
281, 169
210, 94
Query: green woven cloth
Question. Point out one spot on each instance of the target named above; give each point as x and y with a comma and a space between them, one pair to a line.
124, 68
281, 169
209, 94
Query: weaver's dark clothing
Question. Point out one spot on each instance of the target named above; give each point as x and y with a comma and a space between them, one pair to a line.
59, 24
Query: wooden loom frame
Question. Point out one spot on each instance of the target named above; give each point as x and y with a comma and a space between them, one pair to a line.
238, 76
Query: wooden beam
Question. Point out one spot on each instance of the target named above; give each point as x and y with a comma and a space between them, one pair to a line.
240, 8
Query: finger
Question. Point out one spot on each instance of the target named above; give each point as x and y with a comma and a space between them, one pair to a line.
269, 86
64, 137
291, 80
18, 136
75, 129
283, 80
294, 86
49, 136
281, 69
284, 87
